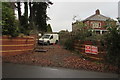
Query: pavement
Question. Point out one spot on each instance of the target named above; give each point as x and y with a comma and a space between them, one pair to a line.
10, 70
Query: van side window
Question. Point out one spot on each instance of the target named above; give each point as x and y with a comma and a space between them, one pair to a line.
51, 37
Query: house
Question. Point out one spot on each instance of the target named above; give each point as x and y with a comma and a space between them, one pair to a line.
97, 22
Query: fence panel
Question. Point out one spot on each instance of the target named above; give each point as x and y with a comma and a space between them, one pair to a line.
95, 50
18, 45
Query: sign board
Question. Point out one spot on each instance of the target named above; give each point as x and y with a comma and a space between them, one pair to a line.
94, 50
87, 48
91, 49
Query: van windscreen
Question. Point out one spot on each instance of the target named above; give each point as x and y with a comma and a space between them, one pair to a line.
45, 36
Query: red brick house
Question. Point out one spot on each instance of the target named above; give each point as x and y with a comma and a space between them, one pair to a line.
96, 22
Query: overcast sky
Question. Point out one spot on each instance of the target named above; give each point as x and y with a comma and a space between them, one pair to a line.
62, 12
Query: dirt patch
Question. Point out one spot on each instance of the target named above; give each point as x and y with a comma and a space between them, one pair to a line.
57, 56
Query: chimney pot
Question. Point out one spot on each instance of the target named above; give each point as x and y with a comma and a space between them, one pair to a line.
97, 12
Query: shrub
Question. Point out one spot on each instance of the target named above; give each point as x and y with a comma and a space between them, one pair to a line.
69, 43
9, 24
72, 37
112, 40
63, 35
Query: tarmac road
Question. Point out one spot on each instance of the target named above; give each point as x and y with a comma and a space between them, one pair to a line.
27, 71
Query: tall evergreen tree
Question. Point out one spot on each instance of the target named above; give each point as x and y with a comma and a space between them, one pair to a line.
26, 9
31, 12
19, 10
39, 9
31, 21
40, 16
25, 19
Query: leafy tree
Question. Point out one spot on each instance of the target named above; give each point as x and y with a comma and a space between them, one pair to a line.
9, 24
113, 46
79, 25
109, 23
40, 17
112, 41
49, 29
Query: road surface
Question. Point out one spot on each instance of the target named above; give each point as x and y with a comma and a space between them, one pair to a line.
27, 71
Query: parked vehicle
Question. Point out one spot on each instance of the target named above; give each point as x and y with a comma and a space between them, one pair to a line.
49, 39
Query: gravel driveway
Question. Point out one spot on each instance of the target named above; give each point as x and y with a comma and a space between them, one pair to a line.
57, 56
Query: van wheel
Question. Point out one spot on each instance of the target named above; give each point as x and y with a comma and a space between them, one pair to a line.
56, 41
48, 43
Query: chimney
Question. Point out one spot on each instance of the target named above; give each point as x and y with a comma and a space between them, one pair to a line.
97, 12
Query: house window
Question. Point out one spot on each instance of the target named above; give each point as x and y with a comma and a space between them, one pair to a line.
96, 24
99, 24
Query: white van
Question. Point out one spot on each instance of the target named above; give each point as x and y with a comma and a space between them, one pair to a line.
49, 39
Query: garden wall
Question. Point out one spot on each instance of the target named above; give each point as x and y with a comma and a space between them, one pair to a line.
80, 46
18, 45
